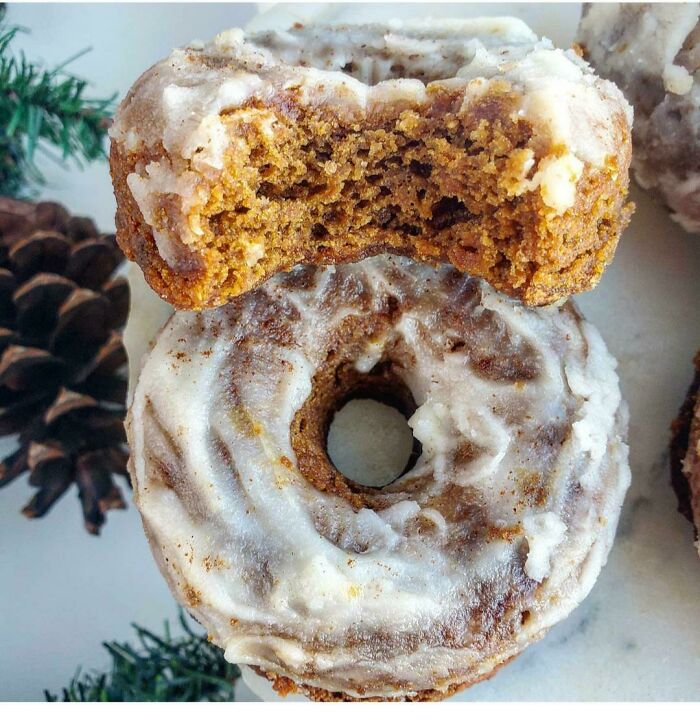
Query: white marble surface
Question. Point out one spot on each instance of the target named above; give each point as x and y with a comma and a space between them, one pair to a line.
637, 635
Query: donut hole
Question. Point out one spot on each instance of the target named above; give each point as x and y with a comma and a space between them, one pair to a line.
370, 442
351, 437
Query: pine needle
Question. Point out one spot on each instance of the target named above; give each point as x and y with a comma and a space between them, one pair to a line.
158, 669
41, 108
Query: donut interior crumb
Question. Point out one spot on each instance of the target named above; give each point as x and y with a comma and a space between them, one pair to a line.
439, 184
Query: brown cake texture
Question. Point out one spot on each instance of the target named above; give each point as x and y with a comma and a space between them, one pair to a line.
284, 686
514, 168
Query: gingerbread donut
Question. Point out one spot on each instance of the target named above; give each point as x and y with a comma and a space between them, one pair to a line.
652, 51
415, 589
472, 142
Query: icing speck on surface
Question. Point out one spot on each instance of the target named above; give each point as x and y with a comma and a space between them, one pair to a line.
358, 70
543, 532
508, 514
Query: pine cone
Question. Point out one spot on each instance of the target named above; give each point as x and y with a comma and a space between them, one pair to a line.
62, 385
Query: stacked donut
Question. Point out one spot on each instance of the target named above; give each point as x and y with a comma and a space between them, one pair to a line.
393, 212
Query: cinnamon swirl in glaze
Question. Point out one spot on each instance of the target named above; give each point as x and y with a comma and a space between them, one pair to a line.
409, 591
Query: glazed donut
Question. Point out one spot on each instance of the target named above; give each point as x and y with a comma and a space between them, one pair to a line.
659, 72
471, 142
415, 589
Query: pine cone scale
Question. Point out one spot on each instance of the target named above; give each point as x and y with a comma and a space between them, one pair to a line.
14, 418
41, 453
53, 479
97, 491
22, 368
40, 252
36, 303
66, 402
109, 358
8, 283
7, 337
13, 466
109, 388
92, 263
117, 292
82, 325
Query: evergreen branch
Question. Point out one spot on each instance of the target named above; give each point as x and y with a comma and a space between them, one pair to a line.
161, 669
44, 107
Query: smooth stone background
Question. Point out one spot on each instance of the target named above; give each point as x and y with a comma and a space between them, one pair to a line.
637, 635
369, 442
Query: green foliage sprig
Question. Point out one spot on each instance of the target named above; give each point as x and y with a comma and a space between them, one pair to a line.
162, 669
41, 109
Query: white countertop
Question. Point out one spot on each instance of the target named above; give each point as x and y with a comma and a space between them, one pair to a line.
637, 635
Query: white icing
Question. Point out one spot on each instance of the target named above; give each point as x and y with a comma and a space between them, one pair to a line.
677, 79
556, 177
544, 532
179, 101
593, 422
158, 179
282, 572
370, 357
640, 39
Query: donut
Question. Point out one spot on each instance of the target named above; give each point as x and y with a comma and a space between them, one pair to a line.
408, 591
471, 142
685, 454
652, 51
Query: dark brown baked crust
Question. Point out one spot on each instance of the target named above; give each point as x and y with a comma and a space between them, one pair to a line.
438, 183
284, 686
680, 439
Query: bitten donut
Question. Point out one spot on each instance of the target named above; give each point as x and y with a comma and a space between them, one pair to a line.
422, 587
652, 51
471, 142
